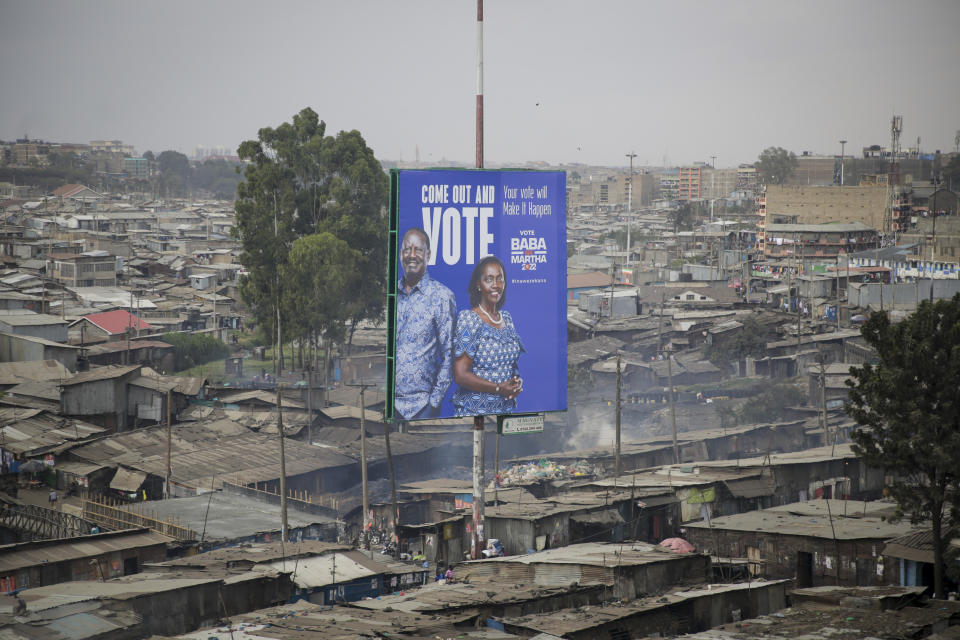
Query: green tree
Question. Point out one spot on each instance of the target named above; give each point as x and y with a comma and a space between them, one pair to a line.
299, 182
751, 340
191, 349
219, 177
174, 162
908, 415
769, 405
683, 217
320, 276
174, 173
775, 165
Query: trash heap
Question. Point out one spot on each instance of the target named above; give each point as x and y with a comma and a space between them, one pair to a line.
544, 469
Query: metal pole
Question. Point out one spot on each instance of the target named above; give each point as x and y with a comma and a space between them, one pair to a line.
363, 471
363, 465
310, 404
673, 412
799, 268
843, 144
616, 459
476, 535
933, 243
393, 487
169, 443
823, 396
283, 465
479, 84
630, 155
839, 306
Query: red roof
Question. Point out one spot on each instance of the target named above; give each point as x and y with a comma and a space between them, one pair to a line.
68, 190
117, 321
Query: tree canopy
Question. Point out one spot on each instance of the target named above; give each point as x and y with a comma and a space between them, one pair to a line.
310, 215
908, 412
174, 172
775, 165
683, 217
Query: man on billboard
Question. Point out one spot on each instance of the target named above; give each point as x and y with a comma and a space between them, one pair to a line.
426, 314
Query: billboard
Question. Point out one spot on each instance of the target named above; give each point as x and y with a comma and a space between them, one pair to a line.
476, 304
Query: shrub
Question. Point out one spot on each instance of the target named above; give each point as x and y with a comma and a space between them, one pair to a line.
190, 349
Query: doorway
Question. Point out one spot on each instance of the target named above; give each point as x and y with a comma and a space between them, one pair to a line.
804, 569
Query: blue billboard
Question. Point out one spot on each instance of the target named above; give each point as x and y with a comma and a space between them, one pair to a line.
477, 301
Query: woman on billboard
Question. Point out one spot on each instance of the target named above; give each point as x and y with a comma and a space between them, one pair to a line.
486, 347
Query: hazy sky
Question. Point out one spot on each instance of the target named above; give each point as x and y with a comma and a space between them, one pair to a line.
565, 81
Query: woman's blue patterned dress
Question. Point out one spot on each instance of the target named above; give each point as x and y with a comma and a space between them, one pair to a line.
494, 353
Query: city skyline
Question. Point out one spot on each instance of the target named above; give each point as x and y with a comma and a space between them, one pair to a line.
676, 85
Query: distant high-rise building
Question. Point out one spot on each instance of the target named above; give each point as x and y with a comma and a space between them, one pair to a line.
136, 167
112, 146
688, 185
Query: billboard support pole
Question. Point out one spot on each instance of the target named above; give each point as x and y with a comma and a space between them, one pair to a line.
476, 534
476, 539
616, 463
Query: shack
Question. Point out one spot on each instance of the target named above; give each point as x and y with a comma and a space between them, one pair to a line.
94, 557
819, 542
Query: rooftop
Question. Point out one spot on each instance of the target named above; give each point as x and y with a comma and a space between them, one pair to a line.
14, 557
228, 516
829, 519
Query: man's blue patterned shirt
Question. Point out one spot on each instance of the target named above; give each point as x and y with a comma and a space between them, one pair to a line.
424, 366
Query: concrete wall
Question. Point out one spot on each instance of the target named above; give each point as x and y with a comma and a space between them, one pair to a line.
780, 555
903, 295
89, 567
99, 398
53, 332
15, 349
820, 205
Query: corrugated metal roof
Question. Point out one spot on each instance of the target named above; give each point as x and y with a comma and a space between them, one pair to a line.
46, 343
752, 487
14, 557
32, 431
16, 372
126, 480
81, 625
101, 373
79, 468
810, 519
153, 384
320, 571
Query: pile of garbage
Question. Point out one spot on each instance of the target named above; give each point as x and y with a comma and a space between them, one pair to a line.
543, 469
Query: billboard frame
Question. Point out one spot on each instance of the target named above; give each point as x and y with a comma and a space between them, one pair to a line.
393, 273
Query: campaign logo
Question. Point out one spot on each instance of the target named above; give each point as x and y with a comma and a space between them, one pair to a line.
528, 250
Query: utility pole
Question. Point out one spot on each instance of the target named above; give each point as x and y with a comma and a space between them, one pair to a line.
283, 465
169, 442
823, 396
393, 484
476, 532
673, 411
933, 244
310, 403
616, 458
839, 301
799, 268
630, 155
363, 465
843, 144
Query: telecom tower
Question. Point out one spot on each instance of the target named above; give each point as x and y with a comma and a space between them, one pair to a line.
893, 179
